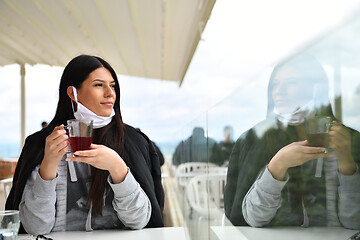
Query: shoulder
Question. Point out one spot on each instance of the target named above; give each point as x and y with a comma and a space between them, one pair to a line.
38, 136
135, 133
131, 130
251, 138
258, 130
33, 146
138, 144
137, 137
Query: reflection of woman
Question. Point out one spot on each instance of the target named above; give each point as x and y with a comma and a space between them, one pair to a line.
275, 178
114, 185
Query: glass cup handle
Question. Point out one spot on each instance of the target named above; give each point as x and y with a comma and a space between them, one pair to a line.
69, 153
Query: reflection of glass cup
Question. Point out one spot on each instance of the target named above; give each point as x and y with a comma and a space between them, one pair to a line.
9, 224
317, 131
80, 133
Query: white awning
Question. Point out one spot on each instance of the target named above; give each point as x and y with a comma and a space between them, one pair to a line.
145, 38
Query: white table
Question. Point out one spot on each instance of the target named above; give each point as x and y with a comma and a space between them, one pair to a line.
282, 233
172, 233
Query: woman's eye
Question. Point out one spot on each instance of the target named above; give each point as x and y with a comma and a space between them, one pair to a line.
98, 85
113, 86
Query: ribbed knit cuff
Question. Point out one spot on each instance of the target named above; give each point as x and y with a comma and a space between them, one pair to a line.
271, 185
42, 187
126, 187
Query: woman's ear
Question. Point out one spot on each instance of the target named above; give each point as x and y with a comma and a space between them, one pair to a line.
70, 93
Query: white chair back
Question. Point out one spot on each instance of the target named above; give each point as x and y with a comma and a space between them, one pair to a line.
6, 185
205, 194
186, 171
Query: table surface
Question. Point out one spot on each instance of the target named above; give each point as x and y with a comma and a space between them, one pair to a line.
173, 233
282, 233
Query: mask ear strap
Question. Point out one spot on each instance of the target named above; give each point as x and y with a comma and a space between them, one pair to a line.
75, 96
75, 93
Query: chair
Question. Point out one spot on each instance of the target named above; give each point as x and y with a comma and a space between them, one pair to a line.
218, 170
205, 195
7, 167
186, 171
6, 184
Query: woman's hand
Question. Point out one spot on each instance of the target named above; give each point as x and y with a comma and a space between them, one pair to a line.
340, 142
56, 145
292, 155
102, 157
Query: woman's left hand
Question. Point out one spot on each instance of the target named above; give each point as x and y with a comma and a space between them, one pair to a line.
105, 158
340, 142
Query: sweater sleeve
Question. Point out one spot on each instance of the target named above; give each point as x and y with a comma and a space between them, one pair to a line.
37, 206
263, 199
130, 202
349, 199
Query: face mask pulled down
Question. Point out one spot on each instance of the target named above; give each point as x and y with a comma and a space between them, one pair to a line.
297, 117
84, 114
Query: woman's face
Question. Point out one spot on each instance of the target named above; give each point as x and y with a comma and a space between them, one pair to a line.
290, 91
97, 92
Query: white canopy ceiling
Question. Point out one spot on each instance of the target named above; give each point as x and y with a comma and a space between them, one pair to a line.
145, 38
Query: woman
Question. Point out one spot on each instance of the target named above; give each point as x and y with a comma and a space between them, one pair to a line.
114, 185
275, 178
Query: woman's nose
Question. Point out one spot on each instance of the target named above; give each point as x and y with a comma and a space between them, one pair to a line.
109, 91
276, 89
280, 88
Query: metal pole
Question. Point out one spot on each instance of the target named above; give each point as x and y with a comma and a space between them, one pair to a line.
22, 72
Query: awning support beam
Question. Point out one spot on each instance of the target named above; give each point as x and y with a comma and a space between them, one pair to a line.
22, 73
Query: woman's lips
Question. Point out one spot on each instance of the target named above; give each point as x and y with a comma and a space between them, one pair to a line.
110, 104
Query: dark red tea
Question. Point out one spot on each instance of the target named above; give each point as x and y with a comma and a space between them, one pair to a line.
80, 143
318, 139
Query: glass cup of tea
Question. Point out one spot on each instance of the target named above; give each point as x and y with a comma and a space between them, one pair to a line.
80, 134
9, 224
317, 131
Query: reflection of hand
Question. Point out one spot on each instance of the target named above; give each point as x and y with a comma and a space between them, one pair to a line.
340, 142
56, 145
292, 155
102, 157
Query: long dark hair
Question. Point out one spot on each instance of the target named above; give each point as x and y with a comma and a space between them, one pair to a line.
112, 135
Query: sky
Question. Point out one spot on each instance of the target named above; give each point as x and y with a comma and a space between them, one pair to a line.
239, 46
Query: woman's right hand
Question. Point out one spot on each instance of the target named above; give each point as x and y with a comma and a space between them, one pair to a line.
56, 145
292, 155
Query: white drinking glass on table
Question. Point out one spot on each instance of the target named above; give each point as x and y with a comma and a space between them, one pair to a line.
9, 224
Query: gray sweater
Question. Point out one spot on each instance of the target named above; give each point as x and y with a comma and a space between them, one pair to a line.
60, 204
263, 199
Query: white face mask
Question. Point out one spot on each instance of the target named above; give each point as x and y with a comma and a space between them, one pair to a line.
297, 117
85, 114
